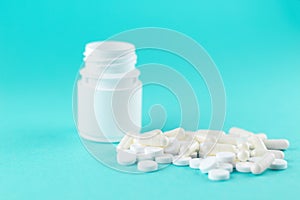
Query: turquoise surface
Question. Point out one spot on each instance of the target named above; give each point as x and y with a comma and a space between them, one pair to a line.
255, 44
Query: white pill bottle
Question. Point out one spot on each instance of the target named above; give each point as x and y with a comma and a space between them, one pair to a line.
109, 92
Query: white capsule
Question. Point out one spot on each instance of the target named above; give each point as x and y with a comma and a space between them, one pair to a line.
244, 167
178, 133
218, 175
173, 146
226, 157
208, 148
278, 164
261, 165
164, 159
243, 155
240, 132
277, 144
208, 164
147, 166
194, 163
154, 151
126, 157
277, 154
125, 142
181, 161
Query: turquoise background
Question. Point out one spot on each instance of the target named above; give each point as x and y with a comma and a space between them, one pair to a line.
255, 44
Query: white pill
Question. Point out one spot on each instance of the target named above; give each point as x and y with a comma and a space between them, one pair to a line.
277, 144
226, 166
278, 164
125, 142
225, 157
154, 151
126, 157
244, 167
261, 165
207, 148
218, 174
207, 164
164, 159
181, 161
243, 155
254, 159
173, 146
278, 154
147, 166
194, 163
137, 148
144, 156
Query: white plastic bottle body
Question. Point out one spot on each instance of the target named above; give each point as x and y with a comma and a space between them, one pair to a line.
106, 115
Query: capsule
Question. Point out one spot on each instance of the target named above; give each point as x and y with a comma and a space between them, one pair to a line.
125, 142
208, 148
276, 153
277, 144
261, 165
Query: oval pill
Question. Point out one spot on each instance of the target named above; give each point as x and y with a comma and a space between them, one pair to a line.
137, 148
218, 174
207, 164
164, 159
154, 151
226, 166
181, 161
225, 157
278, 164
194, 163
126, 157
147, 166
144, 156
244, 167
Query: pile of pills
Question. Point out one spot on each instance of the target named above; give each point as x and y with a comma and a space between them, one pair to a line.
211, 151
